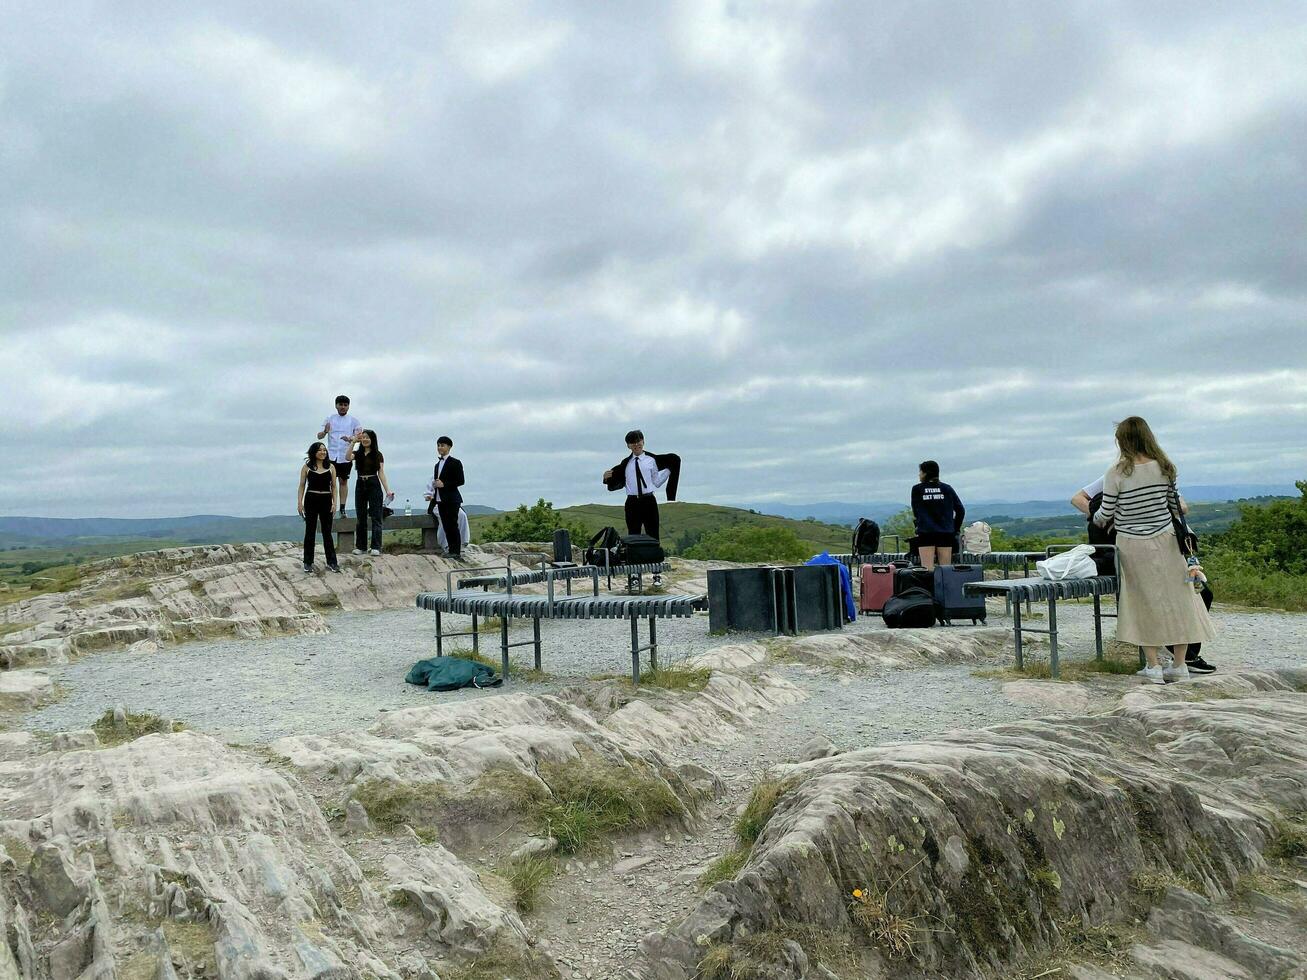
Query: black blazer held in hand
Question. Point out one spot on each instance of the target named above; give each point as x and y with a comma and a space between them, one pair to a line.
664, 461
452, 478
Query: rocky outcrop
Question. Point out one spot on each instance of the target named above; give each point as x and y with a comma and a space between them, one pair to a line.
976, 853
176, 853
243, 590
893, 649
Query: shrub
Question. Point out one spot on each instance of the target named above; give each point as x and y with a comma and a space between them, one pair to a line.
751, 543
1261, 559
535, 523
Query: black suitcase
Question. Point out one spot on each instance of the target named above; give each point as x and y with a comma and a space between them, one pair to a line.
640, 549
913, 578
914, 609
949, 597
562, 546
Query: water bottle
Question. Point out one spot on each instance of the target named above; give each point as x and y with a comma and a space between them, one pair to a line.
408, 508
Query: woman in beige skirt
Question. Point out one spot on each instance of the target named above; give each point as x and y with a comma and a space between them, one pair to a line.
1158, 606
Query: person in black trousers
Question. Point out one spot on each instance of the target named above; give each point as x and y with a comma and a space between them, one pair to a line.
371, 491
445, 497
938, 515
316, 501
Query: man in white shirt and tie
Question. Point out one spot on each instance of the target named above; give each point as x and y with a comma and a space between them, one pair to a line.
341, 429
641, 475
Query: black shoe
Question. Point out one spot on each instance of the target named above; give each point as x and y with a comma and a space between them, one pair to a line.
334, 568
308, 567
1199, 666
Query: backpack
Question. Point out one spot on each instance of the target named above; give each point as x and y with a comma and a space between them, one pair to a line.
866, 537
451, 673
602, 549
639, 549
914, 609
975, 538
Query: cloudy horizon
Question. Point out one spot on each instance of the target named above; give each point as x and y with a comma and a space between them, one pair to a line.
802, 245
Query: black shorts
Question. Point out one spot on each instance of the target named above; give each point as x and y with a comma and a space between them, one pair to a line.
343, 470
936, 539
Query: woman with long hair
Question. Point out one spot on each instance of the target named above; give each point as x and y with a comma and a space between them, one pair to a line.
1157, 605
371, 491
316, 501
937, 514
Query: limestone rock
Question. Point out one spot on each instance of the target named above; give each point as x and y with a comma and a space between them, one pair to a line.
1052, 696
894, 649
997, 836
356, 818
57, 883
81, 739
533, 847
24, 688
817, 747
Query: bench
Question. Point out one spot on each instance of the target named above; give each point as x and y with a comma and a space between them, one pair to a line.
479, 602
1027, 590
344, 528
565, 573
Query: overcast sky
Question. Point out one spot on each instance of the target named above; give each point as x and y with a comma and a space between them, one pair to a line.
805, 245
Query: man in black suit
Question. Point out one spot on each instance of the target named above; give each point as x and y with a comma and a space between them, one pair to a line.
640, 474
443, 492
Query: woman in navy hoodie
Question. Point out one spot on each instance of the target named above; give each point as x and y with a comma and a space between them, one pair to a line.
937, 513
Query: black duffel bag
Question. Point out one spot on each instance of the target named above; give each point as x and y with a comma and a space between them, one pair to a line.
913, 609
640, 549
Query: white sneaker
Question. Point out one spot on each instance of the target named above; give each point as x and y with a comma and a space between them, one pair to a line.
1173, 675
358, 551
1153, 675
374, 551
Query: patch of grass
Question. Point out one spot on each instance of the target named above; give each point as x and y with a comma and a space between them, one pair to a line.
761, 805
725, 867
677, 677
1152, 884
7, 628
499, 964
491, 624
1247, 583
390, 804
759, 954
525, 877
1070, 671
1256, 882
893, 934
1288, 840
137, 725
592, 800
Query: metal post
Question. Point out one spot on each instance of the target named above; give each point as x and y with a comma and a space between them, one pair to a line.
1016, 633
439, 651
1098, 626
1052, 637
635, 650
476, 635
1007, 596
535, 624
503, 647
653, 643
1025, 572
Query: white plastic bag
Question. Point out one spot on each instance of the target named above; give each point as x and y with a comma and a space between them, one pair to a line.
975, 538
1076, 563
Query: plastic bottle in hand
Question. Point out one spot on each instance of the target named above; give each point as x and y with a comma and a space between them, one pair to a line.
408, 509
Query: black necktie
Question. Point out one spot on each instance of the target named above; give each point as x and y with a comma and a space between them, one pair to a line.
639, 478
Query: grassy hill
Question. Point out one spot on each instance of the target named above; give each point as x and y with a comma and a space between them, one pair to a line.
1205, 518
682, 524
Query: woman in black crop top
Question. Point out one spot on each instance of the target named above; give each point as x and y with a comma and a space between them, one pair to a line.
371, 491
316, 502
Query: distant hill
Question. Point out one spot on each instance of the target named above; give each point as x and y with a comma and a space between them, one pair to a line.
683, 524
993, 511
64, 532
1204, 517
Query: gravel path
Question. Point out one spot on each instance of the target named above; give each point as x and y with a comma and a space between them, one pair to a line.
258, 690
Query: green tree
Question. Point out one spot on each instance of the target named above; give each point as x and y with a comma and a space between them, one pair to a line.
903, 524
1272, 537
535, 523
751, 543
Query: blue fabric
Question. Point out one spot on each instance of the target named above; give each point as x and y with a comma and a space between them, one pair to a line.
846, 582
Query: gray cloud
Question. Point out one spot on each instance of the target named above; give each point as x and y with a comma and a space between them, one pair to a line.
803, 245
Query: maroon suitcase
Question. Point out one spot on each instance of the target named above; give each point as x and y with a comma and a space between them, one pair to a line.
877, 586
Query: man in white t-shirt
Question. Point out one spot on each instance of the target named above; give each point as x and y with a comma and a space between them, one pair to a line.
340, 430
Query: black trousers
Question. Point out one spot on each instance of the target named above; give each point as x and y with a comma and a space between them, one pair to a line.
642, 514
368, 500
317, 510
448, 512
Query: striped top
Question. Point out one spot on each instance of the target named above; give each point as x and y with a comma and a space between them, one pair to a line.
1140, 504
